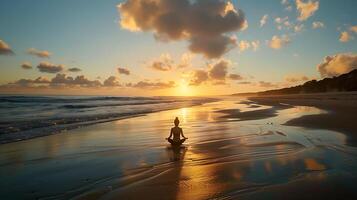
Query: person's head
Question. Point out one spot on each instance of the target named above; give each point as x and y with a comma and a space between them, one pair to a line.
176, 121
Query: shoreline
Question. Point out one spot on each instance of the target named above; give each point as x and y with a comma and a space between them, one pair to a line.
7, 138
340, 107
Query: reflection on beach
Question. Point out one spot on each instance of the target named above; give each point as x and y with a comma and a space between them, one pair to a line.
228, 155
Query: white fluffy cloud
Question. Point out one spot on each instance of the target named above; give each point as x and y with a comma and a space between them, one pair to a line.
306, 8
298, 28
203, 23
337, 64
317, 24
263, 20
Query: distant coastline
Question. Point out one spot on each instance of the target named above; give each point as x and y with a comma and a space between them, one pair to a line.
343, 83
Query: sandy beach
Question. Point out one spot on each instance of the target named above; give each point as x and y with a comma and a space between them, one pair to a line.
238, 148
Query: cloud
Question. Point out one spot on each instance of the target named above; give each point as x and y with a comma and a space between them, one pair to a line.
39, 53
63, 81
26, 65
30, 82
212, 47
284, 2
245, 45
49, 67
337, 64
287, 5
152, 85
255, 45
217, 73
163, 63
111, 81
235, 77
298, 28
283, 23
205, 24
345, 36
296, 78
263, 20
199, 77
317, 24
186, 60
353, 29
244, 83
278, 42
5, 49
267, 84
74, 69
82, 81
306, 8
219, 70
124, 71
280, 20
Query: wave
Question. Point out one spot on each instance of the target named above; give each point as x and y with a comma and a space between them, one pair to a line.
33, 116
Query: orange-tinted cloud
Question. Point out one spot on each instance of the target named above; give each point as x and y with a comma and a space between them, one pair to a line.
163, 63
74, 69
39, 53
306, 8
111, 81
203, 23
235, 77
26, 65
337, 64
152, 85
199, 76
278, 42
219, 70
5, 49
122, 70
47, 67
296, 78
267, 84
345, 36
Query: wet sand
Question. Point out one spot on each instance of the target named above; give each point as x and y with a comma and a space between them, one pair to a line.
341, 110
237, 149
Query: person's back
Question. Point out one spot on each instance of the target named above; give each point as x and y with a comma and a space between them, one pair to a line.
176, 132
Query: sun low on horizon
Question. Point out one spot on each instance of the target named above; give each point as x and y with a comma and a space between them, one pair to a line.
172, 47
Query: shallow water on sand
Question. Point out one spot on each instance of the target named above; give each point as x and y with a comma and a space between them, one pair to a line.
224, 158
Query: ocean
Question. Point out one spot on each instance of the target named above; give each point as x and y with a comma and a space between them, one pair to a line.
24, 117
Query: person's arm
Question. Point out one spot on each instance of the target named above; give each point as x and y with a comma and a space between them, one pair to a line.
182, 134
169, 135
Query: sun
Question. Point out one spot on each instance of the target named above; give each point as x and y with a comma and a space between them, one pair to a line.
184, 89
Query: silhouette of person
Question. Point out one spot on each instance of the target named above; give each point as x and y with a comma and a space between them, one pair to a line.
176, 132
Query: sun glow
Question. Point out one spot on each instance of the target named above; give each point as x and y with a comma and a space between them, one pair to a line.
184, 89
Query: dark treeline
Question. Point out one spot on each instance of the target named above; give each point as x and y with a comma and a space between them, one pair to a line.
343, 83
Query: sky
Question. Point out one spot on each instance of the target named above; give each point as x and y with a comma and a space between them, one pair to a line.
172, 47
